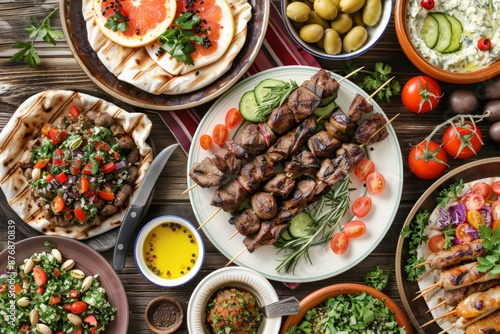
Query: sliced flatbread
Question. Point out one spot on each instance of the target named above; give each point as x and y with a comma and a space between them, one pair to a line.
135, 66
26, 123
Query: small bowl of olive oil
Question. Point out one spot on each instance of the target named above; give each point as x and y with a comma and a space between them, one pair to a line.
169, 251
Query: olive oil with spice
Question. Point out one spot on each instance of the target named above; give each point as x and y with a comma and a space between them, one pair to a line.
170, 250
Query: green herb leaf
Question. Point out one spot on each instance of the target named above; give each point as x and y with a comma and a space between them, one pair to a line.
187, 20
449, 236
377, 278
117, 22
276, 96
491, 242
41, 30
449, 193
416, 236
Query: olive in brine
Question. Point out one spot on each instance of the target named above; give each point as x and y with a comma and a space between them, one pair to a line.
332, 43
311, 33
372, 12
354, 39
326, 9
351, 6
298, 11
342, 23
315, 18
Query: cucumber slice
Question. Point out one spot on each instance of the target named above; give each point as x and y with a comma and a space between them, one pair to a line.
326, 111
430, 31
248, 106
326, 101
286, 236
444, 36
300, 225
456, 34
263, 88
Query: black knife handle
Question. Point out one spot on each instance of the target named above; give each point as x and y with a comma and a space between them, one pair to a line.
124, 235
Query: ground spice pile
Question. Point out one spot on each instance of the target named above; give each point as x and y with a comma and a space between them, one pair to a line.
165, 315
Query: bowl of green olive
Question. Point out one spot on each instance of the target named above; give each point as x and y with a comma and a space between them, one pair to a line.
336, 29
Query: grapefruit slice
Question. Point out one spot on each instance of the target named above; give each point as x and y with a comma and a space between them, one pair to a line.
217, 25
146, 19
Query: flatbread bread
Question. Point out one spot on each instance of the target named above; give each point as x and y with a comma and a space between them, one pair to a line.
26, 123
135, 65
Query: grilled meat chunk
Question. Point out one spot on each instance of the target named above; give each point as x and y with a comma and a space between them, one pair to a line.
302, 194
258, 170
303, 101
246, 222
230, 196
303, 132
281, 119
237, 150
368, 127
280, 185
252, 140
206, 173
282, 148
323, 145
268, 134
225, 161
303, 163
359, 107
313, 87
333, 171
354, 153
324, 80
254, 241
341, 121
122, 195
264, 205
283, 215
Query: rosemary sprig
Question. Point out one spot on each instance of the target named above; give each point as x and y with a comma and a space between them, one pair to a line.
325, 224
276, 96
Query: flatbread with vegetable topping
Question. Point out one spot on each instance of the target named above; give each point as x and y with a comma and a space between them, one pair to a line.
26, 124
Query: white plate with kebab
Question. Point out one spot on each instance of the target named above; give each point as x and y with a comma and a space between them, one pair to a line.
454, 294
319, 261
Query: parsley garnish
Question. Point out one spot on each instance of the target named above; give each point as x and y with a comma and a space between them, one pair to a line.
415, 234
491, 242
374, 79
117, 22
178, 42
36, 30
452, 191
377, 278
449, 236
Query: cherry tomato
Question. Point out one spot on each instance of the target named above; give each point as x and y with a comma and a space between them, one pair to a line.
57, 204
483, 189
78, 331
473, 201
56, 272
74, 294
361, 206
46, 129
108, 167
17, 289
427, 165
475, 218
54, 300
220, 134
421, 94
363, 168
462, 232
62, 177
40, 276
84, 185
3, 287
73, 111
233, 118
354, 228
495, 186
40, 290
78, 307
462, 141
484, 44
375, 183
495, 210
339, 243
495, 225
436, 243
91, 320
41, 163
205, 142
106, 195
427, 4
80, 214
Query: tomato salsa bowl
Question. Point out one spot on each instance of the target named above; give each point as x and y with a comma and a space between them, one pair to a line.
417, 309
406, 29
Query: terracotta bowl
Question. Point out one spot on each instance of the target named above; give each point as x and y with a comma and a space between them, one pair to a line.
424, 65
319, 296
164, 315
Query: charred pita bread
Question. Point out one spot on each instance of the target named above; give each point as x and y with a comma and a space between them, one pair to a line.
26, 123
135, 65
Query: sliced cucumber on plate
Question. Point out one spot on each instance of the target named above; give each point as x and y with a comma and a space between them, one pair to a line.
442, 32
300, 225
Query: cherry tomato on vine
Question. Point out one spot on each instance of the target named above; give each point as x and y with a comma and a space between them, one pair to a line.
205, 141
427, 165
233, 118
363, 168
339, 243
220, 134
354, 228
436, 243
361, 206
483, 189
421, 94
375, 183
462, 141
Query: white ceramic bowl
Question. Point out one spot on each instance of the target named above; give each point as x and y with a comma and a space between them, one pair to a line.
238, 277
374, 34
141, 262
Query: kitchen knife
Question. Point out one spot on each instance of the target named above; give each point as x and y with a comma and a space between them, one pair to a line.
137, 204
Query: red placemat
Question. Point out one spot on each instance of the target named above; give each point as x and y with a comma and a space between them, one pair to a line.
277, 50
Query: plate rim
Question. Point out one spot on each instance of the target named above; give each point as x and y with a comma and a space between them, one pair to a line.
312, 70
265, 11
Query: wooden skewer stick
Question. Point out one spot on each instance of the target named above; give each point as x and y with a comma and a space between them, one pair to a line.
452, 312
233, 235
448, 329
190, 188
430, 287
436, 306
379, 89
208, 219
236, 256
421, 264
352, 73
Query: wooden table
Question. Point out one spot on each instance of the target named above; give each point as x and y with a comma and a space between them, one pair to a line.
59, 70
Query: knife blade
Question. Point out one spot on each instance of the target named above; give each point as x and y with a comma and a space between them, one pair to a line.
137, 204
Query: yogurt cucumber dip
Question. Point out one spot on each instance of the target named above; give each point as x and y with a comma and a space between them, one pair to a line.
452, 44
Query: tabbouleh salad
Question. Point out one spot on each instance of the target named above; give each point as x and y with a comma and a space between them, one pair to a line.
52, 295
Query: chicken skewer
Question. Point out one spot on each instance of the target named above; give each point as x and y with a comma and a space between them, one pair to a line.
489, 324
463, 323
